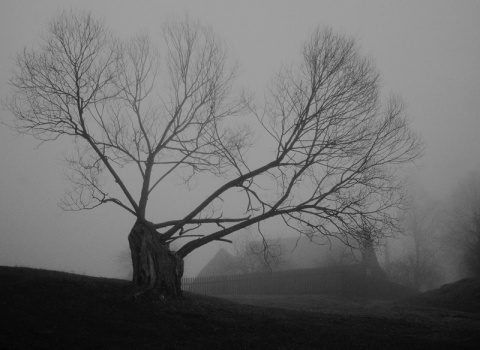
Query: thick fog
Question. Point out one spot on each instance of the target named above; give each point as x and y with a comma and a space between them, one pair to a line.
428, 52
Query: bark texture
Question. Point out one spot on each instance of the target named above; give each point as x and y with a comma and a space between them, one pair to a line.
155, 266
370, 261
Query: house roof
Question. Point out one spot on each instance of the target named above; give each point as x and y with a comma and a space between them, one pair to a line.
302, 252
296, 253
222, 263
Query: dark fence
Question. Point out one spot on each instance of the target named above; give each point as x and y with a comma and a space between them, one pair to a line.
341, 280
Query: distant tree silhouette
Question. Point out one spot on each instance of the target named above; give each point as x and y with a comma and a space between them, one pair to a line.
418, 264
463, 225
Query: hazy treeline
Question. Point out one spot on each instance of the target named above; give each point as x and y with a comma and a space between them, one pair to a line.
441, 238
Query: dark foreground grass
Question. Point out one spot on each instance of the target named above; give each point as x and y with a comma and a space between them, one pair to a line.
47, 309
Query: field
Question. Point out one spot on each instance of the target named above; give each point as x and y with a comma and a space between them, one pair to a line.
47, 309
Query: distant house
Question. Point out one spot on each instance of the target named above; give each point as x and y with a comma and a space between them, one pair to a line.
294, 253
302, 253
222, 263
303, 267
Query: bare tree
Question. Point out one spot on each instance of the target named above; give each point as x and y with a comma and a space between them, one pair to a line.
422, 224
337, 146
337, 151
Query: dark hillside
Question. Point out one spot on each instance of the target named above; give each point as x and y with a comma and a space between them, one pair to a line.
462, 295
54, 310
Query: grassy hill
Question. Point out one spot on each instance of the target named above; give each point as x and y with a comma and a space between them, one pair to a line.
48, 309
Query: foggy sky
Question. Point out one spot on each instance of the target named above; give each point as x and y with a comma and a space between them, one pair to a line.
427, 51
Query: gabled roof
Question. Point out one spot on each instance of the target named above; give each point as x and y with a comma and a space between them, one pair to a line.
296, 253
302, 252
222, 263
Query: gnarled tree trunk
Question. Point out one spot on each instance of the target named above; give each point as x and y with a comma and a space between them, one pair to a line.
370, 261
155, 266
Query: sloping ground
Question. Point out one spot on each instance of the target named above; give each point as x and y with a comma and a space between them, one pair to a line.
462, 295
46, 309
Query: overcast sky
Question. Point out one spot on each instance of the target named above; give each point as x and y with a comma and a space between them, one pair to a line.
427, 51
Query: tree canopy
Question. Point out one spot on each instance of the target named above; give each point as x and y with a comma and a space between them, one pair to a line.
170, 109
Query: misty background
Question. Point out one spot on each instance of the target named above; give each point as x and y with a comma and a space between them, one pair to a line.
427, 51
